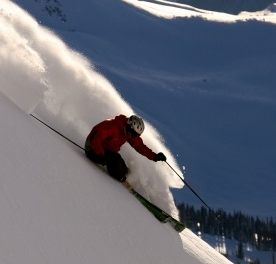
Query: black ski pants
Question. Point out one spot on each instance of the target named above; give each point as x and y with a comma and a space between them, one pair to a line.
116, 166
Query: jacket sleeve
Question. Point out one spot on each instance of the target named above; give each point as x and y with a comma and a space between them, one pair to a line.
139, 146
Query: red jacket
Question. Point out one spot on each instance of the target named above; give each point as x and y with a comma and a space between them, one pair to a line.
110, 135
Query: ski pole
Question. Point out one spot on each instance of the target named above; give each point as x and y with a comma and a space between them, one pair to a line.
217, 217
57, 132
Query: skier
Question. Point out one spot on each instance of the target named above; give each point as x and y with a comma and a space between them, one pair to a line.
105, 140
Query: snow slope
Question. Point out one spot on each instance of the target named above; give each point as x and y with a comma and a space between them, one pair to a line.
57, 207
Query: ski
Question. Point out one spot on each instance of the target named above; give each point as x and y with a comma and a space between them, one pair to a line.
161, 215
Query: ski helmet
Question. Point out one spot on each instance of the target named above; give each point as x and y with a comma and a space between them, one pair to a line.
136, 123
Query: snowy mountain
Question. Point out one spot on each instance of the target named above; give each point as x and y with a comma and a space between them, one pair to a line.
229, 6
204, 80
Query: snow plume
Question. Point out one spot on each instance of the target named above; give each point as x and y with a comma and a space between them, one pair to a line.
41, 75
21, 65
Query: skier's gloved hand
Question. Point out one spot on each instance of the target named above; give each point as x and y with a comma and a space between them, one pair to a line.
101, 159
160, 157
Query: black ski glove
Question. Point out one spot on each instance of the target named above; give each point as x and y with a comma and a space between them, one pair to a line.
101, 159
160, 157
